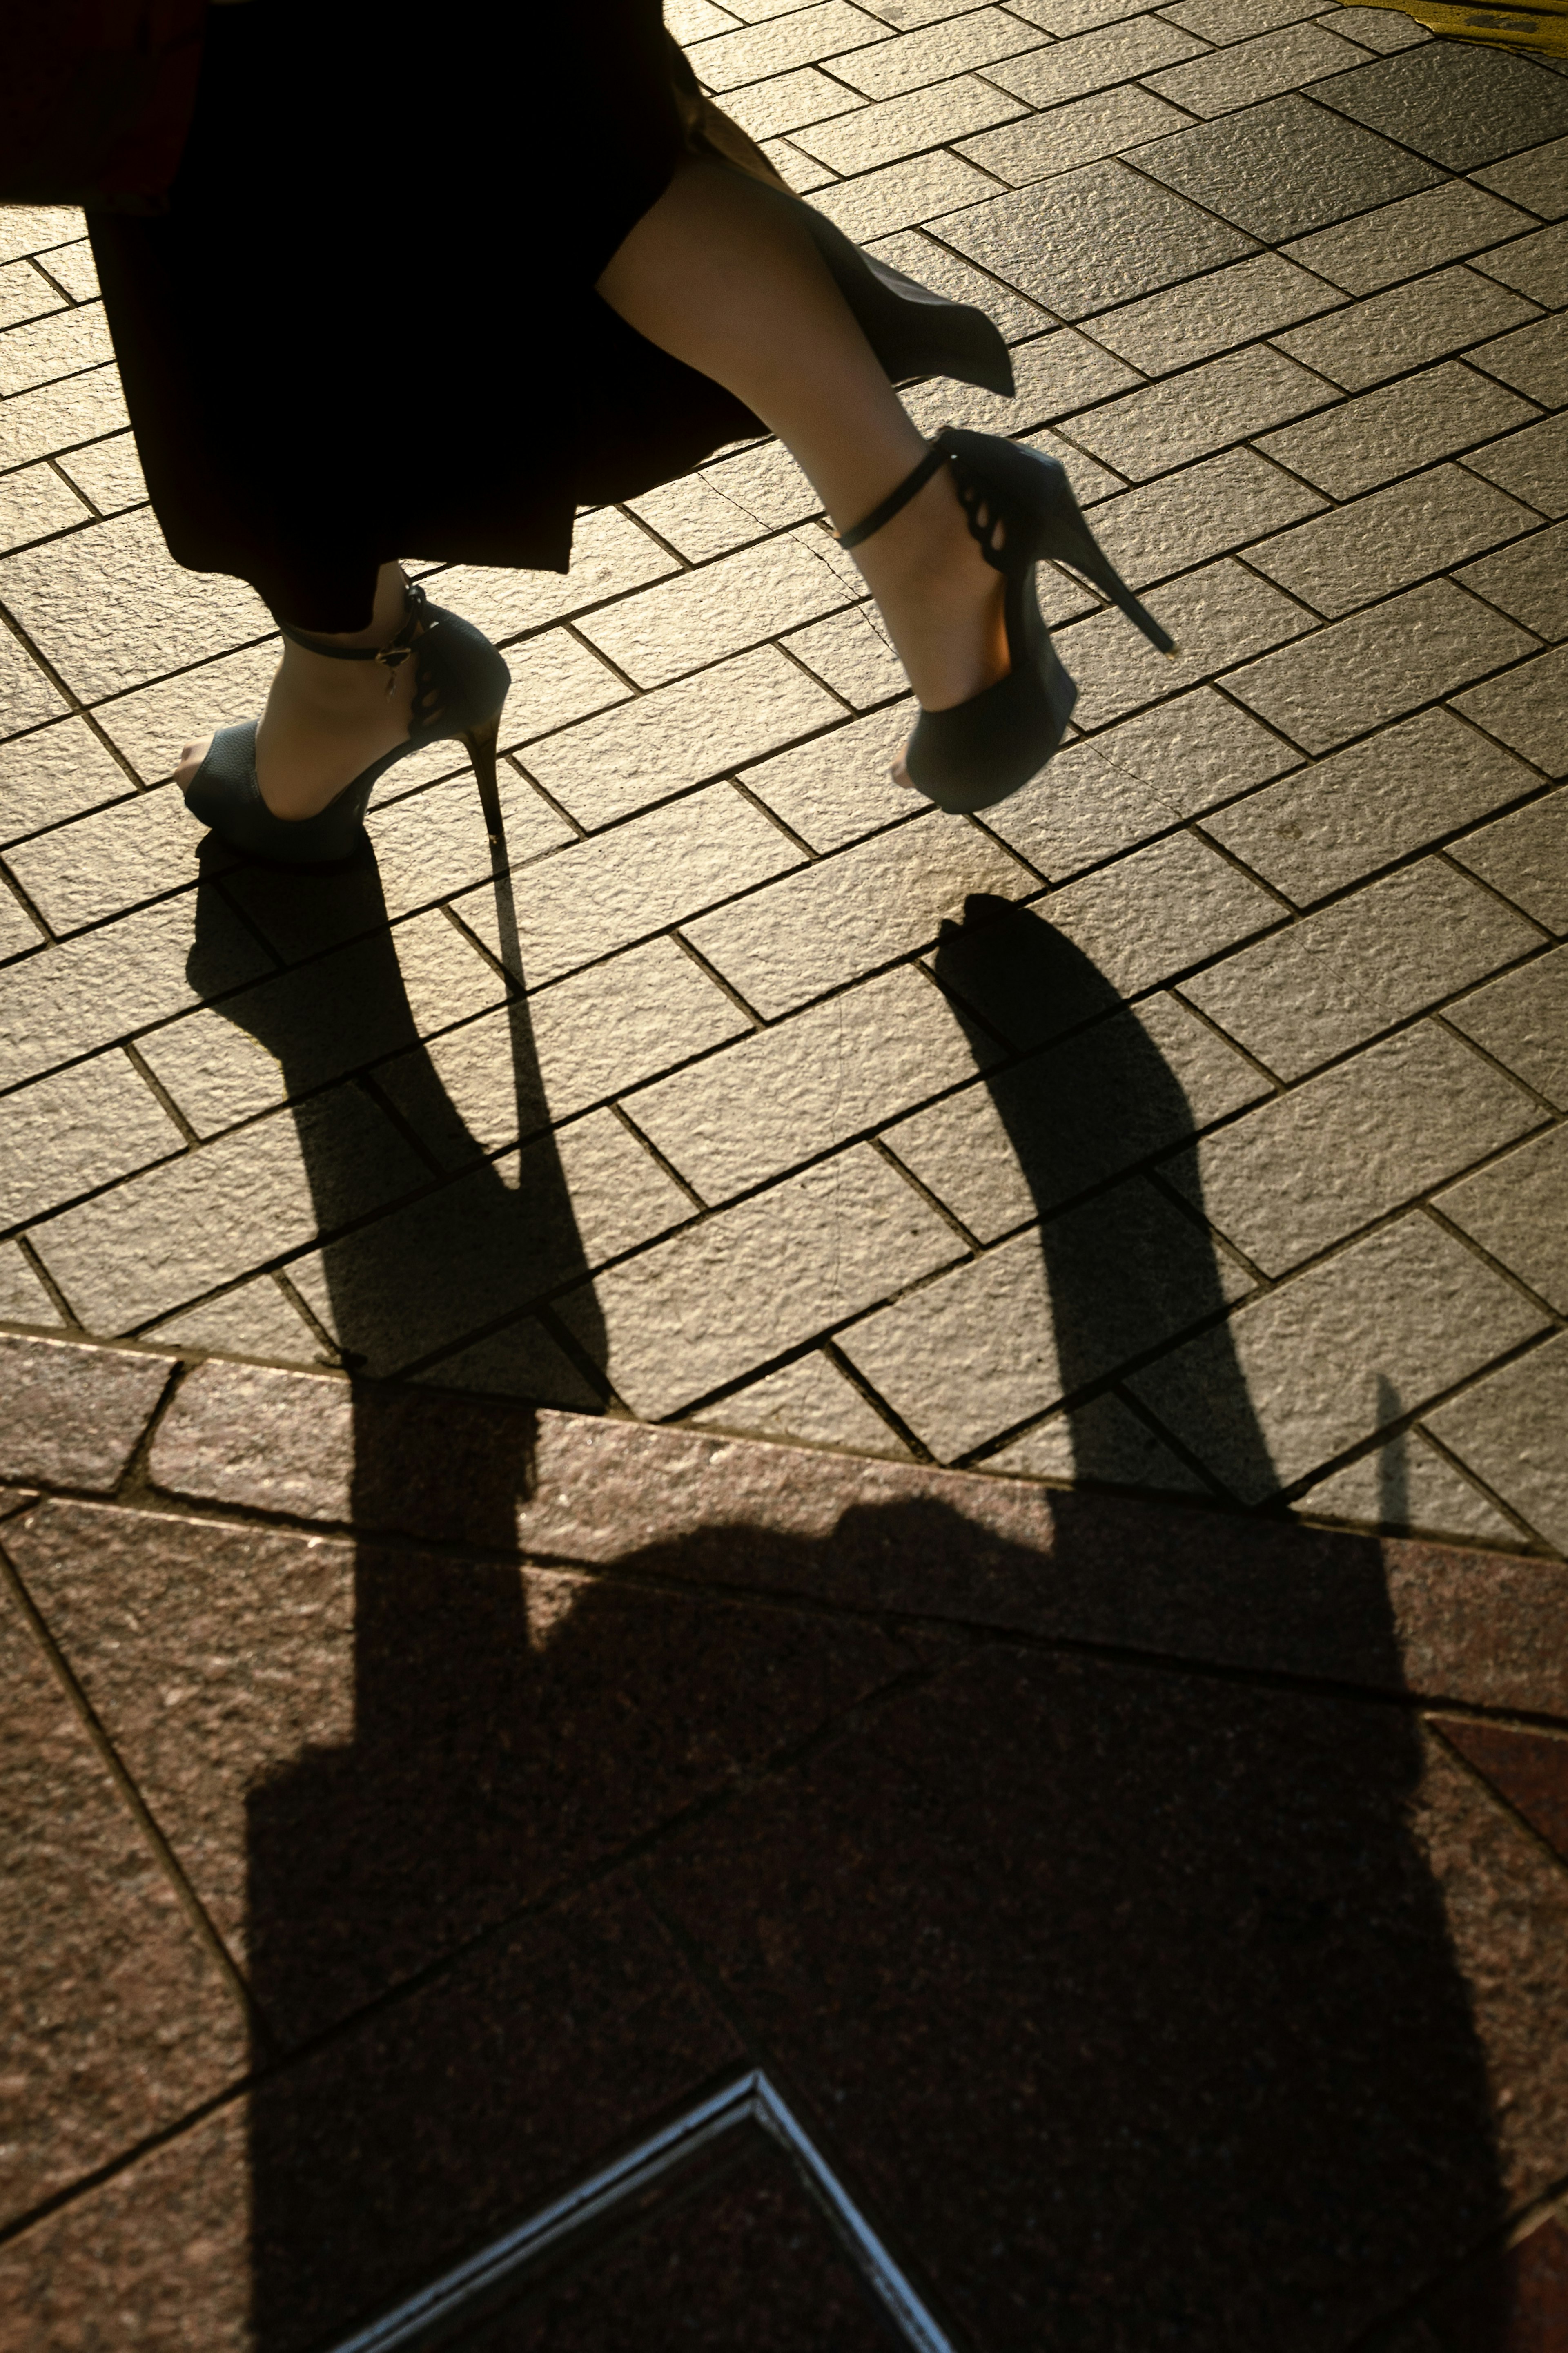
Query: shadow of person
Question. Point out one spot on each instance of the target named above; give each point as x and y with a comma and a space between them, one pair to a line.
1126, 1270
1117, 1987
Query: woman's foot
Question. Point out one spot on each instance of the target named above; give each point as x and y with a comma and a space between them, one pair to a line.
327, 719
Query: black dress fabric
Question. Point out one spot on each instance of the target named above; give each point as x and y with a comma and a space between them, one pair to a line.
366, 326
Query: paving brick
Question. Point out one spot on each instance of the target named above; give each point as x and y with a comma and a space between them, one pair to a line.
1525, 856
1066, 17
766, 484
1533, 360
577, 1043
1054, 374
609, 556
25, 293
442, 1269
852, 912
1334, 1355
1380, 29
797, 171
1007, 1150
1377, 665
932, 264
1388, 334
110, 607
60, 346
1510, 1431
800, 38
811, 1400
1224, 21
27, 697
1255, 69
637, 879
1312, 1167
1103, 1443
72, 266
434, 842
767, 109
1401, 239
521, 1360
306, 1029
73, 1416
34, 502
1532, 465
804, 1087
108, 473
1089, 61
61, 416
1534, 266
1166, 425
1284, 167
555, 680
694, 20
1196, 749
1087, 482
1518, 1211
701, 1310
152, 725
954, 46
103, 864
1091, 238
119, 2018
23, 1299
231, 1208
68, 1001
32, 228
1529, 582
1407, 1484
838, 788
1369, 440
1218, 615
901, 194
980, 1349
696, 518
1066, 136
1527, 709
690, 621
1212, 314
1537, 179
80, 1129
683, 735
851, 654
1086, 808
1522, 1019
1390, 538
1198, 514
19, 934
1335, 979
1334, 824
1160, 911
891, 128
1459, 103
257, 1320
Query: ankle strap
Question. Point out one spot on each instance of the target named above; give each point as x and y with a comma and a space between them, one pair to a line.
390, 656
935, 458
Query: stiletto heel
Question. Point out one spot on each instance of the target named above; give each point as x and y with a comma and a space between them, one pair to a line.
1021, 512
480, 743
459, 686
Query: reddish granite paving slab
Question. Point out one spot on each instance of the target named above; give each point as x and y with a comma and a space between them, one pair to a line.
345, 2183
363, 1755
1530, 1768
1221, 2011
116, 2017
745, 2260
71, 1415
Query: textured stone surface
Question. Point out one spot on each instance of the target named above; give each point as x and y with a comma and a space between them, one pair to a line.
811, 1400
119, 2017
74, 1415
1529, 582
1331, 982
54, 773
1406, 1485
1394, 537
1510, 1431
1518, 1211
1394, 430
1415, 233
1526, 709
1286, 166
1525, 856
1523, 1020
79, 1130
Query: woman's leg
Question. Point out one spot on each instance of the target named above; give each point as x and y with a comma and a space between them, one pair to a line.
722, 275
326, 721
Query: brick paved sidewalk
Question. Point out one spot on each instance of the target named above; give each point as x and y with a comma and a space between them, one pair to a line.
1155, 1921
1192, 1124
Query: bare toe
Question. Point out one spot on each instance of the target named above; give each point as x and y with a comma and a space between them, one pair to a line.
900, 774
191, 758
